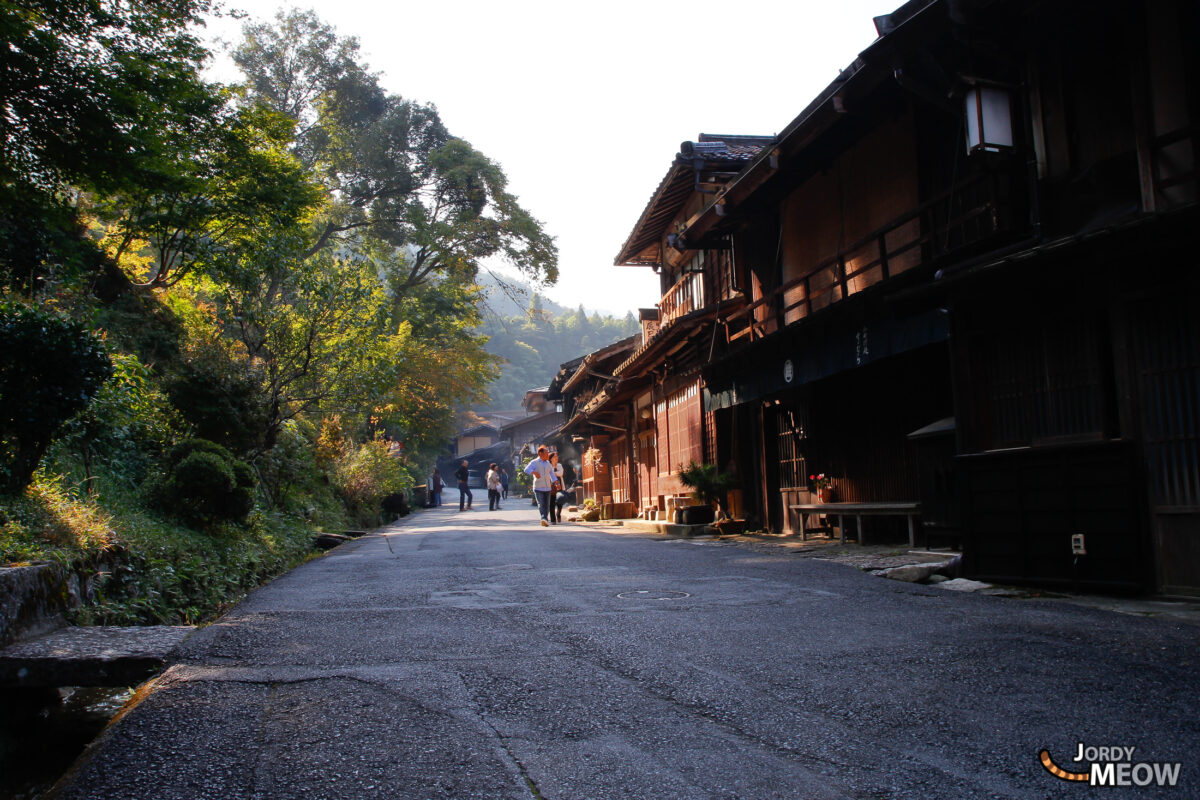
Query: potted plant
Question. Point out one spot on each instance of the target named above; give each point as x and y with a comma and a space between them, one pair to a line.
709, 487
823, 486
590, 512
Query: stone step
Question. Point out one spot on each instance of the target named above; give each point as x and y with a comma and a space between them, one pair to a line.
90, 656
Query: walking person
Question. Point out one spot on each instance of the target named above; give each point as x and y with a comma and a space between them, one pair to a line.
493, 487
568, 491
543, 476
464, 491
556, 486
504, 483
435, 488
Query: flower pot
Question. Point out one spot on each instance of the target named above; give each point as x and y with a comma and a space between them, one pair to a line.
825, 495
730, 527
697, 515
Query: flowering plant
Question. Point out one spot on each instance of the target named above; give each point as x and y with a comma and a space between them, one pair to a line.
820, 481
593, 456
589, 503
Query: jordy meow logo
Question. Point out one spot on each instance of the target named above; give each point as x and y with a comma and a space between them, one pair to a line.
1112, 766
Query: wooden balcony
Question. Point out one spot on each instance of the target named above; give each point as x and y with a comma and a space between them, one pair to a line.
967, 216
686, 296
1173, 174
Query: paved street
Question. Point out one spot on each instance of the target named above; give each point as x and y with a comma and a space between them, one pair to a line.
478, 655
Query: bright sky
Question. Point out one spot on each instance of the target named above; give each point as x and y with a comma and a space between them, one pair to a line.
584, 104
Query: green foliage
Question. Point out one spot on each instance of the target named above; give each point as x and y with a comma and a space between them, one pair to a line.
397, 174
137, 569
708, 486
219, 396
436, 365
50, 369
45, 523
203, 484
316, 330
229, 187
126, 429
259, 257
365, 475
293, 474
94, 92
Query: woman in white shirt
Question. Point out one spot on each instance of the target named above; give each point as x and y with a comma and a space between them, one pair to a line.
493, 487
555, 487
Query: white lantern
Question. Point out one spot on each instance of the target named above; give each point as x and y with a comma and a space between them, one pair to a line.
989, 118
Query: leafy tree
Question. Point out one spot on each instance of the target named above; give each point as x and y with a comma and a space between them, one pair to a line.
91, 91
219, 393
365, 475
50, 369
439, 365
226, 182
314, 327
398, 175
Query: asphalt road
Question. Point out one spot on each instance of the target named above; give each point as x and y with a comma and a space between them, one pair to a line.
478, 655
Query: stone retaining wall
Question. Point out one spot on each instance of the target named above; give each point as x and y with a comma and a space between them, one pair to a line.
33, 599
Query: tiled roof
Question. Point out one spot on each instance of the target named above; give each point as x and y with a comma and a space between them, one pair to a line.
711, 152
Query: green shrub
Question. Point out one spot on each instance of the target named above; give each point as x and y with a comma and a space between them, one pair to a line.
365, 475
203, 483
50, 369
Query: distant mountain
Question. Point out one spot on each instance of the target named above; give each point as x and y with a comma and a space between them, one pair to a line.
536, 338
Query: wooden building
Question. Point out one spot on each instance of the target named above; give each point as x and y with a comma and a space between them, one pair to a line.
475, 438
541, 418
961, 277
595, 437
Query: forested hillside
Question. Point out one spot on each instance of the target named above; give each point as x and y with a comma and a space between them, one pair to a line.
229, 315
534, 342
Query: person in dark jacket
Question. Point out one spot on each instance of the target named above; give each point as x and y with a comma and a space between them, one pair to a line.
464, 492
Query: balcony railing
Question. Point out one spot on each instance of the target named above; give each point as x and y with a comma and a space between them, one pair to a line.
686, 296
1173, 169
965, 216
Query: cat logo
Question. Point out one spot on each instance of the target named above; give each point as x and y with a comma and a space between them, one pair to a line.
1113, 766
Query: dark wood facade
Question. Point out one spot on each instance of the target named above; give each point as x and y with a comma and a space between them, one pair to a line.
1004, 331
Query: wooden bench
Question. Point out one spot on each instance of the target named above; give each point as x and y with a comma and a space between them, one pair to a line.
858, 511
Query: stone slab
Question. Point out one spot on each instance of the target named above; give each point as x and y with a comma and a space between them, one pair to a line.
963, 585
914, 573
91, 656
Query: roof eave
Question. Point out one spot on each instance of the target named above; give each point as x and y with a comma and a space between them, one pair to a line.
873, 65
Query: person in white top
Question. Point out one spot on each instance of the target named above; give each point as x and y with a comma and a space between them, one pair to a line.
493, 487
543, 478
555, 487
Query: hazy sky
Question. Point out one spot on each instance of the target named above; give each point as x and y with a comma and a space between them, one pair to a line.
584, 105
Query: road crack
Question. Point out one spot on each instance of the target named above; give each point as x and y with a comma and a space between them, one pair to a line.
477, 710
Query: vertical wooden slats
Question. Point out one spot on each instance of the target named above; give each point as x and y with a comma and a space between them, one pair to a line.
1167, 348
793, 469
1046, 383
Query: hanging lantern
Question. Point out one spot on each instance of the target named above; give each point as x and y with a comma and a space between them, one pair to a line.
989, 118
